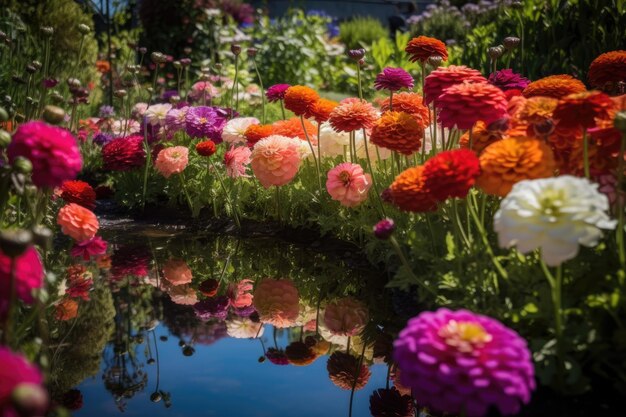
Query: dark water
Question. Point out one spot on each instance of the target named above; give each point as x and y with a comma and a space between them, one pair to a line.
136, 351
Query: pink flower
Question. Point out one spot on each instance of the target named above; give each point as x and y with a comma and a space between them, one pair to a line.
345, 316
203, 90
28, 275
89, 248
172, 160
236, 160
53, 152
277, 302
177, 272
276, 160
239, 293
16, 372
348, 184
393, 79
276, 92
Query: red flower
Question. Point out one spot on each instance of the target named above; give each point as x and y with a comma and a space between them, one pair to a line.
582, 109
423, 47
206, 148
451, 173
79, 192
124, 154
462, 105
608, 70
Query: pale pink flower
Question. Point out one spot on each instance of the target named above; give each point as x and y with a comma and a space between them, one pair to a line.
348, 184
139, 110
234, 130
203, 89
236, 160
276, 160
172, 160
182, 294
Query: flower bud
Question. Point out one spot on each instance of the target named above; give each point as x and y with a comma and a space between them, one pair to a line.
30, 400
22, 165
177, 64
50, 82
73, 83
384, 229
36, 64
5, 139
235, 49
158, 58
155, 397
185, 62
151, 361
84, 29
15, 242
31, 69
17, 79
42, 237
120, 93
261, 359
494, 52
620, 122
252, 52
435, 61
218, 66
386, 196
356, 54
57, 98
361, 62
46, 31
4, 116
511, 42
142, 50
187, 50
53, 114
517, 4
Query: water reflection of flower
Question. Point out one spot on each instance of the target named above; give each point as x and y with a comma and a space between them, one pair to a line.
277, 302
243, 328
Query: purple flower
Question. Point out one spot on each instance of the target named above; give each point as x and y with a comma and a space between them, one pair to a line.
215, 307
244, 311
102, 138
276, 92
50, 82
460, 362
384, 229
168, 94
176, 119
151, 131
506, 79
204, 122
106, 112
393, 79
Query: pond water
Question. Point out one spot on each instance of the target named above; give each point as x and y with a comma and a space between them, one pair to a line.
140, 347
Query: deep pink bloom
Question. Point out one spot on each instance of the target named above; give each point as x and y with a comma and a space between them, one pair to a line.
130, 261
462, 105
348, 184
14, 371
384, 229
443, 77
53, 152
277, 356
124, 154
89, 248
276, 92
506, 79
236, 160
460, 362
28, 275
393, 79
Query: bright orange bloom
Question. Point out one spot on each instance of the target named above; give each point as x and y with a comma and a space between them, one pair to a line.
353, 114
582, 109
299, 99
506, 162
320, 111
255, 133
103, 66
423, 47
408, 191
67, 309
607, 71
397, 131
555, 86
410, 103
537, 110
292, 128
77, 222
481, 137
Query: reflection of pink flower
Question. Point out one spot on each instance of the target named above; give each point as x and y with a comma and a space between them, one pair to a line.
277, 302
276, 160
176, 272
89, 248
172, 160
345, 317
236, 160
15, 370
182, 295
239, 293
130, 261
28, 274
348, 184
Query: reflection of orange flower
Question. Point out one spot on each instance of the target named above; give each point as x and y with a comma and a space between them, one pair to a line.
582, 109
66, 309
299, 99
255, 133
607, 70
353, 114
397, 131
103, 66
299, 354
77, 222
555, 86
320, 111
511, 160
292, 128
409, 193
410, 103
481, 137
537, 110
177, 272
345, 316
423, 47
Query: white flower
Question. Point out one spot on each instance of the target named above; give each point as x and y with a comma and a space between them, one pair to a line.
555, 215
139, 110
243, 328
235, 128
333, 142
156, 113
128, 127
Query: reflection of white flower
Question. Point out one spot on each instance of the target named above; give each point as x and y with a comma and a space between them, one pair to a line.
156, 113
553, 214
307, 313
243, 328
235, 128
340, 341
131, 127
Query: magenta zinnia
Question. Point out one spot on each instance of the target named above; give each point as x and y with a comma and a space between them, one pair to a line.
276, 92
393, 79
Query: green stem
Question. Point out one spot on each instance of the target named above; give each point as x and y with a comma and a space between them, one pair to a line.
374, 182
400, 253
358, 77
226, 194
282, 109
556, 285
6, 331
256, 68
317, 167
277, 198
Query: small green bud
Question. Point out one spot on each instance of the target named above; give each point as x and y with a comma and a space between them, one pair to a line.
5, 139
84, 29
4, 116
22, 165
53, 114
620, 122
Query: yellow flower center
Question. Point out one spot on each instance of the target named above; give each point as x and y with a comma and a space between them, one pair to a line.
465, 336
203, 120
551, 202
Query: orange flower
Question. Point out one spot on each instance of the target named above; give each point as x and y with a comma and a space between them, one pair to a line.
555, 86
423, 47
299, 99
292, 128
409, 193
397, 131
77, 222
607, 71
321, 109
481, 137
255, 133
103, 66
410, 103
537, 110
66, 309
582, 109
511, 160
353, 114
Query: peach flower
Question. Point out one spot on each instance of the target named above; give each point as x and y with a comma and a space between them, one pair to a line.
77, 222
348, 184
177, 272
345, 316
276, 160
239, 293
172, 160
277, 302
182, 295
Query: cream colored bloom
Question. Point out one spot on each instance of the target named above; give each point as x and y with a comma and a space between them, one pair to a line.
555, 215
243, 328
156, 113
234, 130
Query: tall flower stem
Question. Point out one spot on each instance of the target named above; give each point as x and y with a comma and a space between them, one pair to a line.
443, 145
282, 109
374, 182
405, 263
187, 197
146, 145
234, 94
423, 78
358, 77
556, 284
226, 195
258, 74
620, 204
586, 154
357, 371
317, 166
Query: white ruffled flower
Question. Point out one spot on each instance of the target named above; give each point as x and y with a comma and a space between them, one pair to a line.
128, 127
332, 144
157, 113
234, 130
555, 215
243, 328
